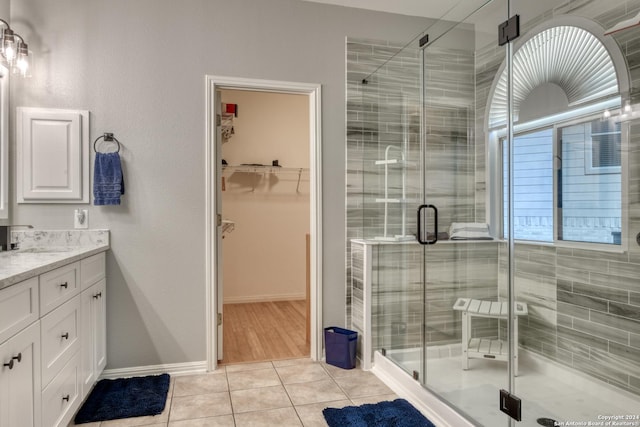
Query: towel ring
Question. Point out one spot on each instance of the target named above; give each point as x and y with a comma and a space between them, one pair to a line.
107, 137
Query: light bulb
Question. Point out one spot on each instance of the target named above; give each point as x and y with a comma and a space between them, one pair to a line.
606, 114
8, 45
23, 65
9, 52
22, 62
627, 106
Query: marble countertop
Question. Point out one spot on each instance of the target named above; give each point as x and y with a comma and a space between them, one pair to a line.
40, 253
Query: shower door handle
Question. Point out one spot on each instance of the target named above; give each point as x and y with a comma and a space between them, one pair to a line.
435, 225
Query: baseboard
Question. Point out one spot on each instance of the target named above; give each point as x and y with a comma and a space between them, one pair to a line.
263, 298
175, 369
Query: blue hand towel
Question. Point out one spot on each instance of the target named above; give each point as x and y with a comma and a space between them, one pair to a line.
108, 182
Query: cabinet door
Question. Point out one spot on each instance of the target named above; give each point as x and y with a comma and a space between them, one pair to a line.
87, 354
20, 399
94, 334
100, 319
52, 155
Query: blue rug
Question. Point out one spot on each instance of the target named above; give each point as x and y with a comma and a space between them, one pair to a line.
398, 413
125, 398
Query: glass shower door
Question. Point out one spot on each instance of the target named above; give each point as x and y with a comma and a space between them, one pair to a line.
466, 347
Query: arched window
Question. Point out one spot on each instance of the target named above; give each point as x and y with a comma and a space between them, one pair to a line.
568, 167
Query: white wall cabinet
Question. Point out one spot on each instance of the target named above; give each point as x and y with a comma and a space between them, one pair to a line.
52, 343
52, 155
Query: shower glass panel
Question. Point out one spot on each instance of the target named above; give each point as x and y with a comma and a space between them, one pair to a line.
391, 173
466, 347
578, 345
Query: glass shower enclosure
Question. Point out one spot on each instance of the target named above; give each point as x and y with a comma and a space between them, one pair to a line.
491, 169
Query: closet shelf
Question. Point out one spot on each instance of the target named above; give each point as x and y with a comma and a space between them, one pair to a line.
261, 169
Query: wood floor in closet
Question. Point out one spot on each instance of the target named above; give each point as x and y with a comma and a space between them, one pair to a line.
255, 332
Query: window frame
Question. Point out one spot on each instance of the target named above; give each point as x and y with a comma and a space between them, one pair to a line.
556, 122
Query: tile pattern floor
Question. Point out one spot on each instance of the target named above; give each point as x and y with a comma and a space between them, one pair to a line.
280, 393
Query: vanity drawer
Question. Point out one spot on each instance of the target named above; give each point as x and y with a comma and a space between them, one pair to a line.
18, 307
61, 398
60, 332
57, 286
92, 270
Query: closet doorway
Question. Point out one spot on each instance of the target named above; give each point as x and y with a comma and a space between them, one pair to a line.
263, 272
265, 214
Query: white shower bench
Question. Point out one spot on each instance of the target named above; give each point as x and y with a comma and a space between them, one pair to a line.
485, 348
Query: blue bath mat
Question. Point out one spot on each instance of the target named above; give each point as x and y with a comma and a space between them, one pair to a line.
125, 398
398, 413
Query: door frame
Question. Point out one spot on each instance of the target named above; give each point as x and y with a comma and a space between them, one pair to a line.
212, 163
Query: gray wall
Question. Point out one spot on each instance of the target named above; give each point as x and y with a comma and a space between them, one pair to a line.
139, 67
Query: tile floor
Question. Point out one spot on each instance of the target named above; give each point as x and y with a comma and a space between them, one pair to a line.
279, 393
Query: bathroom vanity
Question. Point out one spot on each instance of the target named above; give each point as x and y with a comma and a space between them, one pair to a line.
52, 325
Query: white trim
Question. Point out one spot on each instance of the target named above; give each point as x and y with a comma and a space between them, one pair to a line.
189, 368
264, 298
213, 83
426, 402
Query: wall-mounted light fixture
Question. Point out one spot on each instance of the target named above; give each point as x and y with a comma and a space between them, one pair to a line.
14, 50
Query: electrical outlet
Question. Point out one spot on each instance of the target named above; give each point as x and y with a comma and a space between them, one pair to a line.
81, 218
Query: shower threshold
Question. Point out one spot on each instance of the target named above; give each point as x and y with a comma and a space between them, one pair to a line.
547, 389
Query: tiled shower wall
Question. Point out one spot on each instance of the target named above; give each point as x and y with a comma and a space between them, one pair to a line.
584, 305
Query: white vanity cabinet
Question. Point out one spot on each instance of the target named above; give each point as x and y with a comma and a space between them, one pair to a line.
52, 343
94, 320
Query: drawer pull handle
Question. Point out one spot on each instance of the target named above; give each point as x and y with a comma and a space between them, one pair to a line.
98, 295
65, 335
64, 285
10, 364
66, 398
